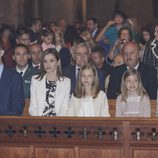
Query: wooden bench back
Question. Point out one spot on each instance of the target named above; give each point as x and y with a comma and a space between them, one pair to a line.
112, 107
111, 103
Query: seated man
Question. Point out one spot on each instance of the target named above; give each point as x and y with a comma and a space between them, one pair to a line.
103, 69
11, 91
131, 57
23, 36
35, 50
81, 57
21, 57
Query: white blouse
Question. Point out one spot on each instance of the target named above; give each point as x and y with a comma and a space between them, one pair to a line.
87, 107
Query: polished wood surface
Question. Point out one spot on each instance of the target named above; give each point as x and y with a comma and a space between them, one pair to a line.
76, 137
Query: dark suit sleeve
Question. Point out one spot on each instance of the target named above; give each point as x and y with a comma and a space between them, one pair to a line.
17, 96
65, 57
113, 86
115, 82
151, 83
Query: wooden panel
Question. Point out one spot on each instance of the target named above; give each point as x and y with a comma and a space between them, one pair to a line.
15, 152
76, 137
54, 152
145, 153
100, 153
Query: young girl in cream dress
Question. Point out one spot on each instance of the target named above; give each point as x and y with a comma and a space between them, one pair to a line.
87, 99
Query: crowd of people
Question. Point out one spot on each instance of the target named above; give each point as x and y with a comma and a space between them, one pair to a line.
72, 70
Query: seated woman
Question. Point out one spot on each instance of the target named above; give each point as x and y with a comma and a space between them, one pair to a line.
50, 91
88, 100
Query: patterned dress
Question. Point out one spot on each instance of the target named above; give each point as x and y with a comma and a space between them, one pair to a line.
49, 109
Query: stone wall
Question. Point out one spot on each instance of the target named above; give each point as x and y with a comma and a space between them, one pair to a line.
18, 11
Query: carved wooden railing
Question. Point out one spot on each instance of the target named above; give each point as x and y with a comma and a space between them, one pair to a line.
80, 137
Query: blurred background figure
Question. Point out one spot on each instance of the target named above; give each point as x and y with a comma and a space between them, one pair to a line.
35, 26
7, 43
124, 36
35, 51
92, 27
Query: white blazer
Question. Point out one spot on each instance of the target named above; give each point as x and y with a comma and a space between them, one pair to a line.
100, 105
38, 96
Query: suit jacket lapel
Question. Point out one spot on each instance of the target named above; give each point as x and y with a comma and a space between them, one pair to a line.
3, 79
73, 78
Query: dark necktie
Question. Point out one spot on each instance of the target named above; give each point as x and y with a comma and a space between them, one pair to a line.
78, 70
21, 73
37, 67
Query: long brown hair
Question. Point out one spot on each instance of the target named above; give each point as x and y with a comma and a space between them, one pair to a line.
124, 92
80, 90
42, 71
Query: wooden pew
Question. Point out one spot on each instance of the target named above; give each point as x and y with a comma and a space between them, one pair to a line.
26, 107
112, 107
111, 103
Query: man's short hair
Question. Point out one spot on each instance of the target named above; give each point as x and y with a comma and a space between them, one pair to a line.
98, 49
33, 21
119, 13
22, 30
95, 21
21, 45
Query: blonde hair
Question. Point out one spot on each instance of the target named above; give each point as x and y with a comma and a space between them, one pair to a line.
59, 37
124, 92
80, 90
88, 38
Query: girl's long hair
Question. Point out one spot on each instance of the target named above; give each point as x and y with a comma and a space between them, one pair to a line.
124, 92
80, 90
42, 71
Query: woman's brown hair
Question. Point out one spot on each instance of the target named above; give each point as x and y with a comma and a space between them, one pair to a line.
42, 71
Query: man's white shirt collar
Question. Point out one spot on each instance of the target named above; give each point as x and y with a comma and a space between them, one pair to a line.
24, 70
136, 67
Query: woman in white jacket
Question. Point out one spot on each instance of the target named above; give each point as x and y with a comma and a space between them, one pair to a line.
50, 91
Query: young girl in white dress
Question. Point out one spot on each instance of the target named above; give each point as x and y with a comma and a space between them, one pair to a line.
133, 100
87, 99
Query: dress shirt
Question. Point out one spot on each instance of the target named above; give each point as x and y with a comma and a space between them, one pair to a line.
94, 32
22, 72
36, 66
77, 70
1, 69
136, 67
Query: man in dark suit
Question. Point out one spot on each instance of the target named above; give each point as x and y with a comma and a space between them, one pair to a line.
35, 51
80, 56
148, 74
103, 69
21, 56
11, 91
92, 27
